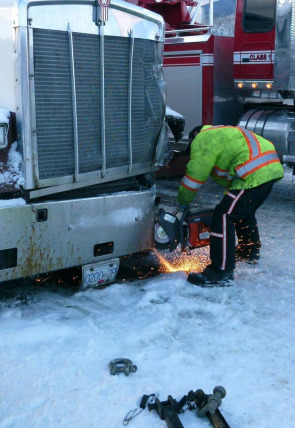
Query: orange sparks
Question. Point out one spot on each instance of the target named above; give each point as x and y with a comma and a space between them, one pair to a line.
177, 261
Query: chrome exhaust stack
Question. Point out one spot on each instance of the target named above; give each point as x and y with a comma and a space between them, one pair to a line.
277, 126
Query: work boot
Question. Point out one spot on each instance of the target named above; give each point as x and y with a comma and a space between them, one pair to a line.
211, 277
247, 254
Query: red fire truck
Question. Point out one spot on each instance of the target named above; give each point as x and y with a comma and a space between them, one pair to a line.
232, 62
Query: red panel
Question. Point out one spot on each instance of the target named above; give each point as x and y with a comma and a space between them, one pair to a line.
189, 59
205, 46
181, 60
260, 45
208, 87
175, 13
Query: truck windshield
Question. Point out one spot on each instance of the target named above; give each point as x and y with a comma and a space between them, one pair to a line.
259, 15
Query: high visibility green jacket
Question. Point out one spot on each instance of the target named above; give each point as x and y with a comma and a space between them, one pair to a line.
235, 157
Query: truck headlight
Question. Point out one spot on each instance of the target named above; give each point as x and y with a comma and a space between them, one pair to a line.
3, 135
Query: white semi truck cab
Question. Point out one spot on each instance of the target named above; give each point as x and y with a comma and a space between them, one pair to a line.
82, 126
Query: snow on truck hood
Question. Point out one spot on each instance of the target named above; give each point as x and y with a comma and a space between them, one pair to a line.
4, 115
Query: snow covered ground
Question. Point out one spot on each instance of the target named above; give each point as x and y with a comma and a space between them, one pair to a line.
56, 343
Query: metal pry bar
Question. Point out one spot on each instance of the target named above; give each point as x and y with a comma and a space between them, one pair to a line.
167, 410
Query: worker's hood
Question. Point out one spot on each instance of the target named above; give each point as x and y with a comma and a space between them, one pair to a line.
206, 127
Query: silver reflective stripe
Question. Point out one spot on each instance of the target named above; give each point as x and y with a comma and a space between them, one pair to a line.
217, 235
266, 158
222, 174
252, 140
191, 184
231, 195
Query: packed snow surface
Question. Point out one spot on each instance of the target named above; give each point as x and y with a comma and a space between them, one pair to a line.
56, 344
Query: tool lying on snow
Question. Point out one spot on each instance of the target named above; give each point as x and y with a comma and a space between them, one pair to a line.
207, 405
192, 230
168, 411
122, 365
146, 399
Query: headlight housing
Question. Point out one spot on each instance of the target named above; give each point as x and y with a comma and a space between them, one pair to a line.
3, 135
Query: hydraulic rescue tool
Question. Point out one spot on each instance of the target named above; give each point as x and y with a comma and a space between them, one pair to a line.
191, 230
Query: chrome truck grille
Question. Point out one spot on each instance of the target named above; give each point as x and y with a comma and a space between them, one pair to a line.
54, 103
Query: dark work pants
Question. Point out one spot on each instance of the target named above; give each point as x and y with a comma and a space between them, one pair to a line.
236, 213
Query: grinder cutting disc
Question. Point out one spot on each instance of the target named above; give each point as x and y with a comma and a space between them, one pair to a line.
162, 241
167, 231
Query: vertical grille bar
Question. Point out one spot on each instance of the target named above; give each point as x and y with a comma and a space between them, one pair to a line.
74, 100
103, 136
130, 99
292, 49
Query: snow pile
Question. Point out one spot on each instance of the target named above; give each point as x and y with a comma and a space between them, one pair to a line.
173, 113
16, 202
4, 116
13, 175
56, 345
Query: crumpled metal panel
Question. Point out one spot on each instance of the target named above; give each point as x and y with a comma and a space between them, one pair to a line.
72, 229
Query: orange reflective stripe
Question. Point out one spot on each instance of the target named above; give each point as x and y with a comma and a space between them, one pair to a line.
222, 173
188, 188
215, 127
256, 159
256, 163
252, 142
260, 166
194, 179
251, 139
219, 169
191, 183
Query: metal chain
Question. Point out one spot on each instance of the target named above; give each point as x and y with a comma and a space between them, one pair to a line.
132, 414
146, 399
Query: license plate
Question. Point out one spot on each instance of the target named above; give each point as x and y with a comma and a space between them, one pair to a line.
99, 273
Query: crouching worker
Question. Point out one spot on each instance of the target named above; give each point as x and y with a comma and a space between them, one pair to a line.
247, 165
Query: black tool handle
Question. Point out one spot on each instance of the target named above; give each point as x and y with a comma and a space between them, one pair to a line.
144, 400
